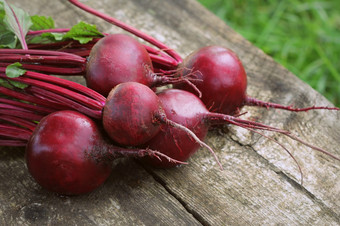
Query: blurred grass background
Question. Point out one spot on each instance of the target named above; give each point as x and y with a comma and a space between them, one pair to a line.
302, 35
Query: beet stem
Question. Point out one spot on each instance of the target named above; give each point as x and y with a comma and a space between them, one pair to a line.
255, 102
22, 35
18, 121
39, 52
67, 84
156, 56
12, 143
22, 114
29, 98
58, 60
14, 132
53, 30
73, 104
86, 101
26, 106
50, 69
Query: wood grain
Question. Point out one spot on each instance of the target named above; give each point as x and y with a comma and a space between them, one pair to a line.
260, 182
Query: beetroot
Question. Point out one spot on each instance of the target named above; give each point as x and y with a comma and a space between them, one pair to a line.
187, 109
67, 154
223, 81
115, 59
59, 154
119, 58
132, 114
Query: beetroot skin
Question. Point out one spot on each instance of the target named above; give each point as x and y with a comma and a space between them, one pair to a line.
131, 114
58, 154
224, 80
186, 109
115, 59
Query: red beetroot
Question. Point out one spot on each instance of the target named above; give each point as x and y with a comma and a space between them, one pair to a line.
115, 59
132, 114
58, 155
223, 81
187, 109
67, 154
119, 58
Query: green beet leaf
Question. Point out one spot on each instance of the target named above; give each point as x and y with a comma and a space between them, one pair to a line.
41, 23
16, 20
15, 70
83, 32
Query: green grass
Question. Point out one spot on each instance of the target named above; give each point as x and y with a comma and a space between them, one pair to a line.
303, 36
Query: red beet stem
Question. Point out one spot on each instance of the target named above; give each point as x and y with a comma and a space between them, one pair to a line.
54, 92
255, 102
12, 143
24, 96
168, 62
67, 84
53, 61
62, 60
57, 70
64, 45
39, 52
18, 121
76, 96
21, 114
14, 132
31, 107
53, 30
69, 102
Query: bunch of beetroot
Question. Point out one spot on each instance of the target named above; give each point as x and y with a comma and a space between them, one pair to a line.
72, 133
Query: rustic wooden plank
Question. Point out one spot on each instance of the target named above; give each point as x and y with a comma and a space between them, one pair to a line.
259, 183
317, 201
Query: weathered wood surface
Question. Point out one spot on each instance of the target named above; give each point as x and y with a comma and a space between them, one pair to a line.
260, 182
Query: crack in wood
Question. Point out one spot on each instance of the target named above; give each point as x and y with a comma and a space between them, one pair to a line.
158, 179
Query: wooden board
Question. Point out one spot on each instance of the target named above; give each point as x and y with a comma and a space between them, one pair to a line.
260, 182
